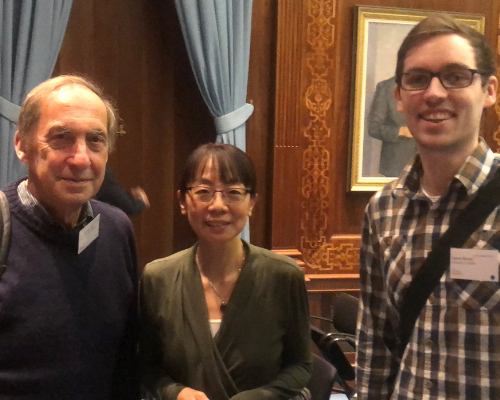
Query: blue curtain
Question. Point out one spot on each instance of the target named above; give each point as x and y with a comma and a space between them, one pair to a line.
30, 39
217, 37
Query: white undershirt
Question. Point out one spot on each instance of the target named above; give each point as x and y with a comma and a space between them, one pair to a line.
214, 326
434, 199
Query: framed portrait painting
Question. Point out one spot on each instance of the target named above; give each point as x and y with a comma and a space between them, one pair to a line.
381, 144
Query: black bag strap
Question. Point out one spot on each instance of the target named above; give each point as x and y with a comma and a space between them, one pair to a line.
438, 259
4, 231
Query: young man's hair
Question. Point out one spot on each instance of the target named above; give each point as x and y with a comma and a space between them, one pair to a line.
443, 24
31, 109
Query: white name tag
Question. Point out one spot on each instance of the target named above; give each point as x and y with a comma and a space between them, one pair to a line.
474, 264
88, 234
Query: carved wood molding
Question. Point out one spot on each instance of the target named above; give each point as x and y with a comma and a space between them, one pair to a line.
292, 253
303, 142
315, 182
332, 283
339, 256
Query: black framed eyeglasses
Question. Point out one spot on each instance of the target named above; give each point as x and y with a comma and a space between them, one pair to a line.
205, 194
456, 78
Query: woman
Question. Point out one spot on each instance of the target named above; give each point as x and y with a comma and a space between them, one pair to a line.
223, 319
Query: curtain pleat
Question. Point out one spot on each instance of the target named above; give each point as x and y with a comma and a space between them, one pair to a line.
217, 37
31, 35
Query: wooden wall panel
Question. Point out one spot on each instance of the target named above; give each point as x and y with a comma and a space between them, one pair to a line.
287, 133
134, 49
319, 223
260, 126
298, 136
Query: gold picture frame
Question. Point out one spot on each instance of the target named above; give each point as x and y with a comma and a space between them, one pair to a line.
379, 32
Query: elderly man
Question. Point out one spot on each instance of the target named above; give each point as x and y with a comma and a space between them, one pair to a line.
386, 124
451, 350
68, 323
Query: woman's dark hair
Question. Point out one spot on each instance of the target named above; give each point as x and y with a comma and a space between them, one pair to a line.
234, 166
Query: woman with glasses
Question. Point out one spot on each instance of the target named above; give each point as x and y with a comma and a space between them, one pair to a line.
223, 319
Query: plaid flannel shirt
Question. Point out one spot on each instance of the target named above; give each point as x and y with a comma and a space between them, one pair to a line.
454, 351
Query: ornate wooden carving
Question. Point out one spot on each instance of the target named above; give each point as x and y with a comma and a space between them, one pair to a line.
303, 139
315, 180
318, 223
340, 255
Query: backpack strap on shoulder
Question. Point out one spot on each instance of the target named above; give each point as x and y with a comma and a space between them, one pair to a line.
438, 260
4, 231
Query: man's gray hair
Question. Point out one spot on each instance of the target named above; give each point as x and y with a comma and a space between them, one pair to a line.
31, 108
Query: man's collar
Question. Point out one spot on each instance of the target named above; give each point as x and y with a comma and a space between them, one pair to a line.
38, 211
477, 167
471, 174
408, 182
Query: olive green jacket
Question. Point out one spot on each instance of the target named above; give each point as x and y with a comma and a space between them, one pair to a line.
262, 349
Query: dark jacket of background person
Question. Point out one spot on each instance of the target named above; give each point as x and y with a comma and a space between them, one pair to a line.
384, 122
112, 192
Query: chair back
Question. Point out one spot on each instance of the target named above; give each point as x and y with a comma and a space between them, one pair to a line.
345, 313
322, 378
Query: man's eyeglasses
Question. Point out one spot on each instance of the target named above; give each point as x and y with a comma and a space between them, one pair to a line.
205, 194
457, 78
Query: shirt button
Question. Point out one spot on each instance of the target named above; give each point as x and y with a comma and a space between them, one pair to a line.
428, 384
430, 343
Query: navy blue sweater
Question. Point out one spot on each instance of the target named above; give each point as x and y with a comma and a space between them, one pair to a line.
68, 321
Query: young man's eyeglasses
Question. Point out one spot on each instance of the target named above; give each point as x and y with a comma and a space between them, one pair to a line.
456, 78
205, 194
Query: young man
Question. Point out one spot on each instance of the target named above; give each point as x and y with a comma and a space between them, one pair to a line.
68, 319
445, 78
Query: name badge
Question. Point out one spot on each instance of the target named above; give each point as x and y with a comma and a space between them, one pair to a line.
474, 264
88, 234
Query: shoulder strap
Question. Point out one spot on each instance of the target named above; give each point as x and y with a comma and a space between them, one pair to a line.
4, 231
438, 259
